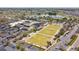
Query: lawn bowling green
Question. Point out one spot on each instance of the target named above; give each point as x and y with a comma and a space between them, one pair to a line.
46, 34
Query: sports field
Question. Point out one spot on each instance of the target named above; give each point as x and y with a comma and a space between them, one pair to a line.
40, 39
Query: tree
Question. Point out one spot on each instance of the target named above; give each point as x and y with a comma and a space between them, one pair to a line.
18, 46
62, 48
6, 44
22, 16
22, 49
64, 18
4, 20
48, 43
50, 20
77, 48
62, 31
52, 13
57, 20
57, 36
25, 34
34, 30
38, 13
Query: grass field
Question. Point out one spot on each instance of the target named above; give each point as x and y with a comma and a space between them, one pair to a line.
44, 35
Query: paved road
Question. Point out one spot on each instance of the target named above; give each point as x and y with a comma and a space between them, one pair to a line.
68, 36
75, 44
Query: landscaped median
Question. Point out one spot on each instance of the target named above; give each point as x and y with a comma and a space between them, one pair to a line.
45, 35
73, 39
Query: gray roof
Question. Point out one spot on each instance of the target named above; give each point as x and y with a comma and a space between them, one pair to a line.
8, 48
2, 48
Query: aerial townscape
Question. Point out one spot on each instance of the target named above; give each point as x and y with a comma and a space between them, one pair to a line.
39, 29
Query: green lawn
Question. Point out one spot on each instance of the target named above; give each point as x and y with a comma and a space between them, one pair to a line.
41, 40
50, 30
